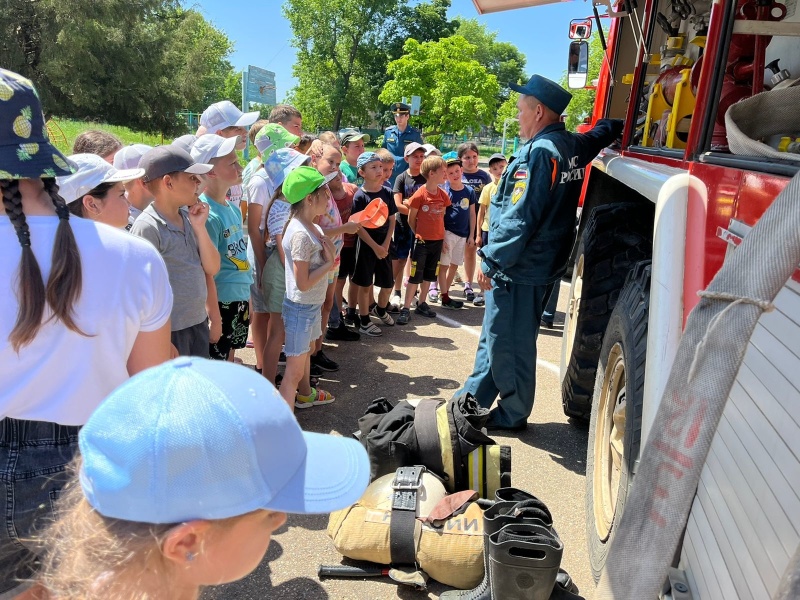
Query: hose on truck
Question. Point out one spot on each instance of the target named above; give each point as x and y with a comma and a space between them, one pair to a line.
708, 359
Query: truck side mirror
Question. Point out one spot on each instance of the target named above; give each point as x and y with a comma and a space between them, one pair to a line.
578, 66
580, 29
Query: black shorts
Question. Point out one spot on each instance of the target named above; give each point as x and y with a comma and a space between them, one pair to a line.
347, 262
425, 260
484, 238
235, 323
400, 247
370, 269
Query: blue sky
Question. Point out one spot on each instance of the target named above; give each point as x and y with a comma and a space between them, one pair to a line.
262, 35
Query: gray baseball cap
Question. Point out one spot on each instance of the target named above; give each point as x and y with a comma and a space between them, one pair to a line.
170, 159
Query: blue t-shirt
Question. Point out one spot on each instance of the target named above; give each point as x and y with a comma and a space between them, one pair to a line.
477, 180
224, 226
456, 217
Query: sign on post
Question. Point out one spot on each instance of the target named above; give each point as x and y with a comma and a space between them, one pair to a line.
415, 104
259, 86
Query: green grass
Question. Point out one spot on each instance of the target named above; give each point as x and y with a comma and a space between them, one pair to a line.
72, 129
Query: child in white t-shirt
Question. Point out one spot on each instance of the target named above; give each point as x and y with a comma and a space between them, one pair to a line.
309, 257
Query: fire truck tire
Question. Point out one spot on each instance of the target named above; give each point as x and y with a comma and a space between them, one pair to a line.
615, 428
615, 238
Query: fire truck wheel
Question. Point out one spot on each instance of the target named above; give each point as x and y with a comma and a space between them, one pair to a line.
616, 237
616, 423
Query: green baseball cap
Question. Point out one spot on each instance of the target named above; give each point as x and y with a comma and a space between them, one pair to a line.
273, 136
304, 181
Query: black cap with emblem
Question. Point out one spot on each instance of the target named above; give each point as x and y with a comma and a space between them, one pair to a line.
399, 108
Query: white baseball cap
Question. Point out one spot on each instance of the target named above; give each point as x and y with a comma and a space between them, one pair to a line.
185, 141
413, 147
225, 114
430, 149
129, 156
210, 146
90, 171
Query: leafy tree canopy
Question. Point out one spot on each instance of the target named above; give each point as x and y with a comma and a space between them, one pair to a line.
508, 110
457, 92
133, 63
502, 59
343, 49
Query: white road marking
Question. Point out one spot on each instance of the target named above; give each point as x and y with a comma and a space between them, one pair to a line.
477, 333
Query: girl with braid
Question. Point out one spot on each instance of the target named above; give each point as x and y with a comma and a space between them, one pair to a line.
84, 307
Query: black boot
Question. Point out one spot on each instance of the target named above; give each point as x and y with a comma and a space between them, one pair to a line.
512, 494
495, 518
565, 587
523, 562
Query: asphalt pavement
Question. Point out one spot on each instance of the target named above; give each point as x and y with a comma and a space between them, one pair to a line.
428, 358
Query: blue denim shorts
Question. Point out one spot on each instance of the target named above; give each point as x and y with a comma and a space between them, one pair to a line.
34, 456
303, 324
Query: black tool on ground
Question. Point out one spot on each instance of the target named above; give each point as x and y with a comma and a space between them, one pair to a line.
367, 570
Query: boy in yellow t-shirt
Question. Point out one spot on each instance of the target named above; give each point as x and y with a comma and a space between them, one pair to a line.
497, 164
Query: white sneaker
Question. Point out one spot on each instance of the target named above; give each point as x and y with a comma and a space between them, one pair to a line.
386, 319
371, 330
395, 304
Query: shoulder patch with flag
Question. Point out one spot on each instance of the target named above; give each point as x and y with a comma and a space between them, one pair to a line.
521, 174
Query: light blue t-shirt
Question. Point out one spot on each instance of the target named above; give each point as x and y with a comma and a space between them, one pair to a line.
224, 226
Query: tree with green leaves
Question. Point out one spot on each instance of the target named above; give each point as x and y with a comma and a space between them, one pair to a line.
582, 102
331, 37
344, 47
199, 52
508, 110
126, 64
456, 91
502, 59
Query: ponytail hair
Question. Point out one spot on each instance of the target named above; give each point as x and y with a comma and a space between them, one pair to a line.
64, 284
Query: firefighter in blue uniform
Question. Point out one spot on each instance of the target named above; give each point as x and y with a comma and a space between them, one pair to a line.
531, 232
397, 137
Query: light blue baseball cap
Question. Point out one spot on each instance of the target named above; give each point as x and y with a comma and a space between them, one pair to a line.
200, 439
282, 162
365, 158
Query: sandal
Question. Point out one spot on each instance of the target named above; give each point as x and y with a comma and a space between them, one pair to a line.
316, 397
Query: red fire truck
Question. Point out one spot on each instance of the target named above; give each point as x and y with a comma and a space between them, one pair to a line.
659, 215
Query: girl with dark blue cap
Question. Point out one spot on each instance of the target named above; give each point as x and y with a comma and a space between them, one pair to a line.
85, 306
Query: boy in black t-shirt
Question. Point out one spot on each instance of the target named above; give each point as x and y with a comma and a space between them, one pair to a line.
408, 182
372, 248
